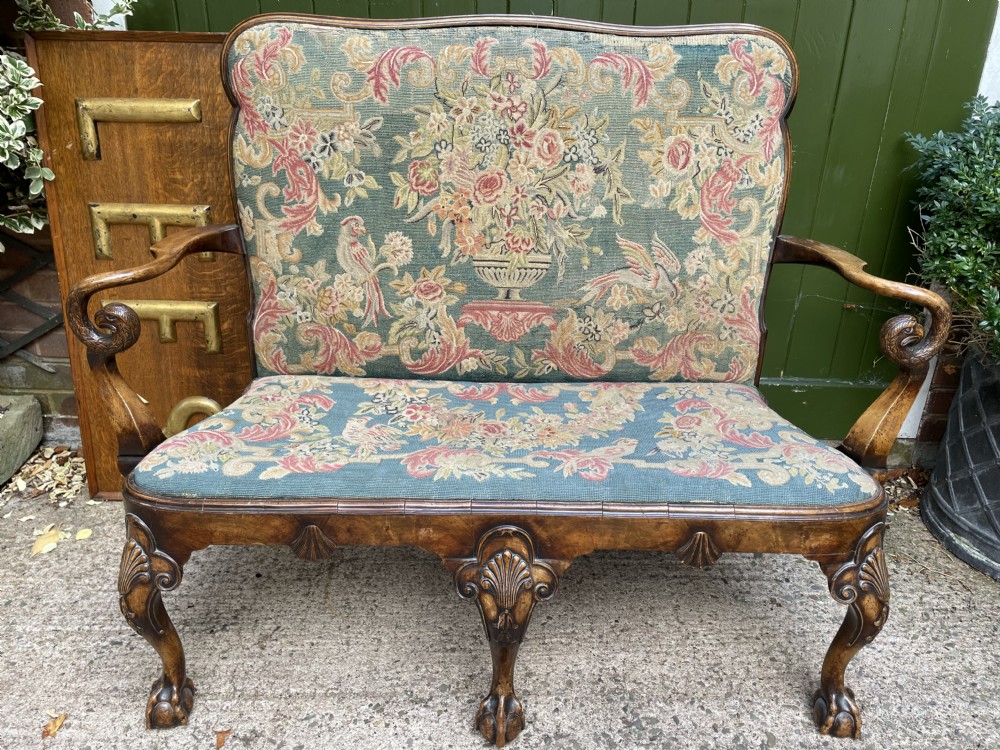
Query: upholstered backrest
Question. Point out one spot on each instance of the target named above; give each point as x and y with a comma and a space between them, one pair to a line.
508, 202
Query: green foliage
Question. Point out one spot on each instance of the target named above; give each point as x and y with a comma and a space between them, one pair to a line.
21, 172
959, 200
36, 15
22, 176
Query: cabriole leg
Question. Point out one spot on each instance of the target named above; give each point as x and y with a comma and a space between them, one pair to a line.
145, 573
862, 584
506, 581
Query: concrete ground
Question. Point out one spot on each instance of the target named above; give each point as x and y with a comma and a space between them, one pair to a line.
373, 649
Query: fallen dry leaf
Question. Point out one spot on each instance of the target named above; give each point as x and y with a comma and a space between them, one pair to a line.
53, 472
47, 540
84, 534
51, 729
221, 735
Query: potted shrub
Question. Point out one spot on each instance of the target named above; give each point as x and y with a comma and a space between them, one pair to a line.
959, 199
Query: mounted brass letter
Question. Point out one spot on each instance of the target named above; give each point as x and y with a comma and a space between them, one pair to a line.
166, 312
185, 409
90, 111
156, 216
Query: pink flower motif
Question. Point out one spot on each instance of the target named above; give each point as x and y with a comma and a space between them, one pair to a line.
549, 147
428, 290
582, 180
519, 244
417, 412
687, 422
302, 136
492, 428
424, 177
677, 154
488, 188
521, 136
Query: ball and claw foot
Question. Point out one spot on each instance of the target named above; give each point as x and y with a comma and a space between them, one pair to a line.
500, 718
169, 707
837, 714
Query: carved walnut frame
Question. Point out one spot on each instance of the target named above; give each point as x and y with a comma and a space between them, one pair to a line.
505, 557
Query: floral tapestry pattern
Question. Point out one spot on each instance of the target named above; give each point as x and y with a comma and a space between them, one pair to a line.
508, 204
316, 436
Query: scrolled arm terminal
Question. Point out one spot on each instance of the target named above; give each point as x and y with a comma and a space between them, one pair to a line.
115, 327
904, 340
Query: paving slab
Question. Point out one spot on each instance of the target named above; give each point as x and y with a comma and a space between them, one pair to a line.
372, 649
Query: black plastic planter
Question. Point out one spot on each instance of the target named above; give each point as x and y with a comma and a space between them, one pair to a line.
961, 505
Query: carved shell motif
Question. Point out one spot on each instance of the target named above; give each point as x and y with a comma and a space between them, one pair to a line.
134, 569
699, 551
506, 575
873, 577
312, 544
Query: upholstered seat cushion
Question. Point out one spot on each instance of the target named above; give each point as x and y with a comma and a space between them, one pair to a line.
456, 443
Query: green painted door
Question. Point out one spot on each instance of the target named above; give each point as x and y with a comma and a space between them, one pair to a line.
870, 71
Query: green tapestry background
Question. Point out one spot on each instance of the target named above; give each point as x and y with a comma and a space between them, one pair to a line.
870, 70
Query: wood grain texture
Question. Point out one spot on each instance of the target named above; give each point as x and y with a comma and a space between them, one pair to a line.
161, 163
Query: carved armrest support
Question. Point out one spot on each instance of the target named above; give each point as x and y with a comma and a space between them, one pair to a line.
904, 340
115, 327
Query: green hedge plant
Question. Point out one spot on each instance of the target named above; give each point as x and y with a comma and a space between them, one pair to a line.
959, 203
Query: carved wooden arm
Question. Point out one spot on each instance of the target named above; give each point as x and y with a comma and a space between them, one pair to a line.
903, 339
115, 327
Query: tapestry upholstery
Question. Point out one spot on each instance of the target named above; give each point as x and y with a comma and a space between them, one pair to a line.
292, 437
508, 203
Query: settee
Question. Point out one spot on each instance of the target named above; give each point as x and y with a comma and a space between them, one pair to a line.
509, 277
